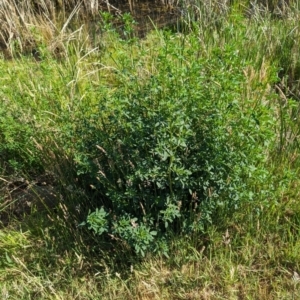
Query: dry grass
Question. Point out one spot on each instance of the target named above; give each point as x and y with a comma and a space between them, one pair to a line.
231, 265
24, 30
27, 25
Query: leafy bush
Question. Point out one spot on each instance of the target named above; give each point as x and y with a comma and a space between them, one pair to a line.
163, 153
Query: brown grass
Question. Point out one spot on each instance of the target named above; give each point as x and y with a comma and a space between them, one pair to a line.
27, 25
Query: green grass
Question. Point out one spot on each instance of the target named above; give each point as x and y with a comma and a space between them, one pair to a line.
249, 250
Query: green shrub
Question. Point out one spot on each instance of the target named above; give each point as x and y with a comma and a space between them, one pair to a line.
163, 153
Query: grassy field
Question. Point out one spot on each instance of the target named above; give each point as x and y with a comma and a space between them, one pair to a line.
92, 117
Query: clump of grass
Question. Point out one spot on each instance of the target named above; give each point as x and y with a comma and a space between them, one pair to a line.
30, 28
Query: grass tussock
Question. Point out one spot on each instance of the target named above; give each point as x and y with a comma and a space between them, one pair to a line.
104, 120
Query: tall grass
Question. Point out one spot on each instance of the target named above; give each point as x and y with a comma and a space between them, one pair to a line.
252, 253
27, 26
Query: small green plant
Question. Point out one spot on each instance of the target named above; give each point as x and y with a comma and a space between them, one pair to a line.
97, 221
129, 24
106, 23
137, 235
126, 31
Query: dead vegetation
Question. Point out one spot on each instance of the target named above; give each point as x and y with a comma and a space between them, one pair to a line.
27, 25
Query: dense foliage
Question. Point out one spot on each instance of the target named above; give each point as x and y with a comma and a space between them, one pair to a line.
169, 150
